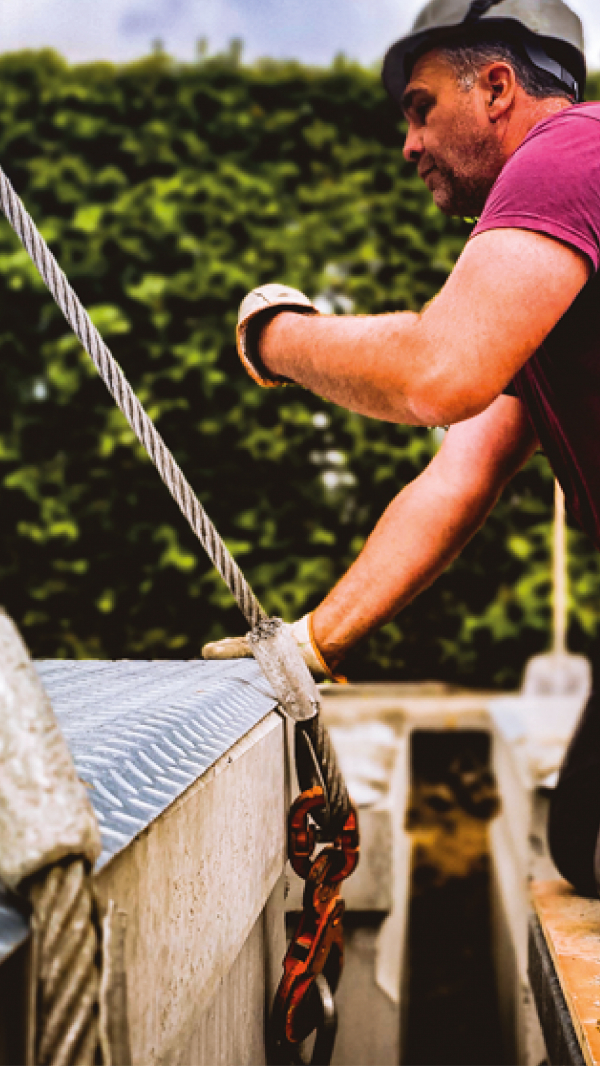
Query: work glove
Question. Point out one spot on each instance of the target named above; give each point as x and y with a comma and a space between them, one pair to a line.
256, 311
239, 648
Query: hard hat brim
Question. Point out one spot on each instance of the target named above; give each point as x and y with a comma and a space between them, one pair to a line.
402, 56
395, 72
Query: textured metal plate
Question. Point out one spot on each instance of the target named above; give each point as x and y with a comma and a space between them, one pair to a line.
140, 733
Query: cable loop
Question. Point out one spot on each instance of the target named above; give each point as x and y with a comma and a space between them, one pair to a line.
328, 772
66, 968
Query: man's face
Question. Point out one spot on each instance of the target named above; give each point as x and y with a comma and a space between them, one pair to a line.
450, 137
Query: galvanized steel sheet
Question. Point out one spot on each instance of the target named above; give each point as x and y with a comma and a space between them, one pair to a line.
140, 733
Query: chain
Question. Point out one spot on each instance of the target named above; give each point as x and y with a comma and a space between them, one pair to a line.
66, 973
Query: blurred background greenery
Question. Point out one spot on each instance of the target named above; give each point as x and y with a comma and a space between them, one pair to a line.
167, 191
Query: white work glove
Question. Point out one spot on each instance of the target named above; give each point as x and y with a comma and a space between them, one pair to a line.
239, 648
256, 310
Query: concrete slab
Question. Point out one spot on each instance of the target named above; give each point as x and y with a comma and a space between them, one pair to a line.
193, 886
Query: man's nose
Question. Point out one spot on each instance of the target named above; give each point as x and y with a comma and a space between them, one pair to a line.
413, 146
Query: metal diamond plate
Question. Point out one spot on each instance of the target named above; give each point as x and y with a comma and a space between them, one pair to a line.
140, 733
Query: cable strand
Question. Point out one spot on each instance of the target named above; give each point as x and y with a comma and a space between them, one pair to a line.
123, 395
67, 973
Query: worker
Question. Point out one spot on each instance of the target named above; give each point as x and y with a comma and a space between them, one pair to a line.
507, 355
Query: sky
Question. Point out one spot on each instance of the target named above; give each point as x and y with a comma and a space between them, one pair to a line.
313, 31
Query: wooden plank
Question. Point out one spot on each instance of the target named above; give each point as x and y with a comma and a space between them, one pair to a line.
571, 927
562, 1046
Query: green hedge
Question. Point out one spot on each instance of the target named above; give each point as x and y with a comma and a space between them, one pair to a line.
166, 193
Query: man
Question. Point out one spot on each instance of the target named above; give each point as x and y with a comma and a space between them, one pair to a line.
508, 353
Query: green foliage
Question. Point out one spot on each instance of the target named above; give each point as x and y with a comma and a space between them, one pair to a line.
166, 193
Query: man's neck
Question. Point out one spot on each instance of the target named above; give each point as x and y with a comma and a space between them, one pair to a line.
526, 116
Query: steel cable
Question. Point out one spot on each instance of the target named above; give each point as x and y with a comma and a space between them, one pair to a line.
172, 475
170, 472
123, 395
336, 792
66, 967
66, 971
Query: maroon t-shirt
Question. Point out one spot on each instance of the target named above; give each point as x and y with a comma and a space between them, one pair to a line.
552, 185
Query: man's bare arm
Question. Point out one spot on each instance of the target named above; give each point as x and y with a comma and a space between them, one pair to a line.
508, 290
426, 526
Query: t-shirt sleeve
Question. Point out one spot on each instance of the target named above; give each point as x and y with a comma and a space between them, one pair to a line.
552, 183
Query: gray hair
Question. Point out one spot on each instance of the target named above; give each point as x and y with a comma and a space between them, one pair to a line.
467, 60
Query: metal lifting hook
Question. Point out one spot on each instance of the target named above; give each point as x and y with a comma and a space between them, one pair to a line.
315, 956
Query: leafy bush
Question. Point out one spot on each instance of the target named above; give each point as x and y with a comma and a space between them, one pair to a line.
166, 193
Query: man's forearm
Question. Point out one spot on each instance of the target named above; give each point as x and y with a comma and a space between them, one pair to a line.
422, 530
426, 526
419, 534
508, 289
365, 363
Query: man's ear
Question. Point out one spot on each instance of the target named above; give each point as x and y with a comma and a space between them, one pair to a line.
499, 86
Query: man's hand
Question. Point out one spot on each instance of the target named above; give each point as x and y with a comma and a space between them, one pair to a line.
302, 631
257, 309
